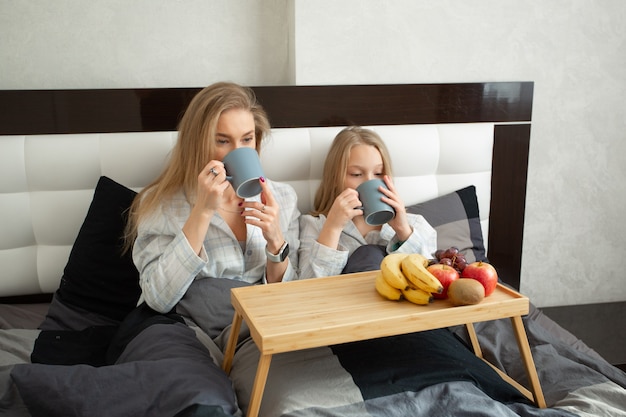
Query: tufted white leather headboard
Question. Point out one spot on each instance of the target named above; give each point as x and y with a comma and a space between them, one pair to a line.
47, 180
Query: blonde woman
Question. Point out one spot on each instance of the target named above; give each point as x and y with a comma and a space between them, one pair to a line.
190, 224
335, 229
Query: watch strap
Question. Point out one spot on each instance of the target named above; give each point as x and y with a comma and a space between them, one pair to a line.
280, 256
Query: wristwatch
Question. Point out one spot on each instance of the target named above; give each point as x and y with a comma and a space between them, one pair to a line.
280, 256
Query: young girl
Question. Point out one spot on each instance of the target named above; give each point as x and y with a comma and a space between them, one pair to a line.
336, 227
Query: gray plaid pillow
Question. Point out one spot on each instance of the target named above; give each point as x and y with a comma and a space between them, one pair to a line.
456, 218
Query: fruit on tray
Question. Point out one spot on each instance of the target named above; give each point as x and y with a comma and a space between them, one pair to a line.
385, 289
465, 291
414, 269
483, 272
419, 280
445, 274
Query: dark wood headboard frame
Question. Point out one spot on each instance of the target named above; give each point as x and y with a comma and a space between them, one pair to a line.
26, 112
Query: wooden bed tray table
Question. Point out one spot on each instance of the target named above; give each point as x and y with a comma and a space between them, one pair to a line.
297, 315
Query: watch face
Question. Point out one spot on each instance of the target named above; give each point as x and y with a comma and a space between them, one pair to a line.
284, 252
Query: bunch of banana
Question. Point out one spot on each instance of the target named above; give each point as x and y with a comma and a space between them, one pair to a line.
405, 276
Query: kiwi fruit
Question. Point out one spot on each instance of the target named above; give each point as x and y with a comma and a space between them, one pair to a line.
465, 291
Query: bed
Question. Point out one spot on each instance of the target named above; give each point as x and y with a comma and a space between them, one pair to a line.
72, 160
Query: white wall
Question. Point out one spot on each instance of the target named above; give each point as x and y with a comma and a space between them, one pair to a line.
142, 43
574, 51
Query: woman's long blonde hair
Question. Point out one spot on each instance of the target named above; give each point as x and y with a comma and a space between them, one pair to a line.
194, 148
336, 164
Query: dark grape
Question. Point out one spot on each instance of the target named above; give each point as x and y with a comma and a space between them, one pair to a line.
451, 252
460, 264
445, 261
451, 256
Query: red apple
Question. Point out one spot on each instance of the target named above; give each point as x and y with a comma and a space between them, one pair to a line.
445, 274
484, 273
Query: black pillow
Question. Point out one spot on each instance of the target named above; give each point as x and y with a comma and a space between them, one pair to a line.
98, 278
365, 258
456, 219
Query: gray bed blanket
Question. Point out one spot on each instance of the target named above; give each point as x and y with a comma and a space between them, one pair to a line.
164, 371
15, 348
346, 380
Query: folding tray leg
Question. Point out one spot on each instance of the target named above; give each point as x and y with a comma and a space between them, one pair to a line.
536, 394
531, 370
229, 353
259, 385
474, 339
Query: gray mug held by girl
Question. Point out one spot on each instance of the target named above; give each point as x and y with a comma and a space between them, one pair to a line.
375, 211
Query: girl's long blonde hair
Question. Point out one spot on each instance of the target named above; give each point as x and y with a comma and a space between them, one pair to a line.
194, 148
336, 164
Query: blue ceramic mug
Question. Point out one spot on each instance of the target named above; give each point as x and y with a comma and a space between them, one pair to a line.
243, 170
375, 211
